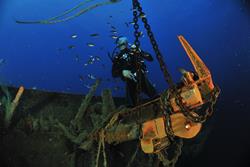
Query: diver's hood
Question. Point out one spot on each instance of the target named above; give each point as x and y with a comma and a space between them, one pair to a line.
122, 41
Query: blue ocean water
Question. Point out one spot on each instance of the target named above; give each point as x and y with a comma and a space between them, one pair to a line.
37, 56
46, 57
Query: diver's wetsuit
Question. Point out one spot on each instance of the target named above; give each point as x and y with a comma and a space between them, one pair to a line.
126, 60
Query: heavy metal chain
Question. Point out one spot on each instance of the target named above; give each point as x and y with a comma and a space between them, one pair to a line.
136, 26
142, 15
137, 44
191, 114
167, 76
208, 110
163, 155
137, 5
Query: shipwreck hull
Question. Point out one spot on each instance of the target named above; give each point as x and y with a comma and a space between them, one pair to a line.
34, 140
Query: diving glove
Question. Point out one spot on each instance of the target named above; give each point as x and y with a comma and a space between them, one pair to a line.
128, 74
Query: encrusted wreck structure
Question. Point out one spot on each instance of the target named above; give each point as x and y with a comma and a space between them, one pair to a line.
91, 134
91, 130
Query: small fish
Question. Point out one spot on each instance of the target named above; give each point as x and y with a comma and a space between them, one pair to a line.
108, 23
141, 34
85, 64
71, 46
113, 27
114, 36
126, 24
87, 86
90, 44
74, 36
94, 35
91, 58
114, 31
110, 16
142, 15
132, 22
90, 76
97, 58
90, 61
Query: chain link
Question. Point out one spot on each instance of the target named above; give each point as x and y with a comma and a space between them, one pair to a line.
208, 111
164, 156
174, 91
159, 56
137, 44
136, 32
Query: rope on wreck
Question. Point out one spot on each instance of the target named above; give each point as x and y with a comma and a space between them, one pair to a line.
54, 20
163, 156
101, 142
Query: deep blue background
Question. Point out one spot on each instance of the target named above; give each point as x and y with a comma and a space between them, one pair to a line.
219, 30
38, 55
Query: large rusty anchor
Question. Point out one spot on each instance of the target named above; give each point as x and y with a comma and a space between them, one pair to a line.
197, 93
177, 112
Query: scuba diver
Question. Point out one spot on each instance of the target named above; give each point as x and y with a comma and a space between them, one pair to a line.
125, 66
